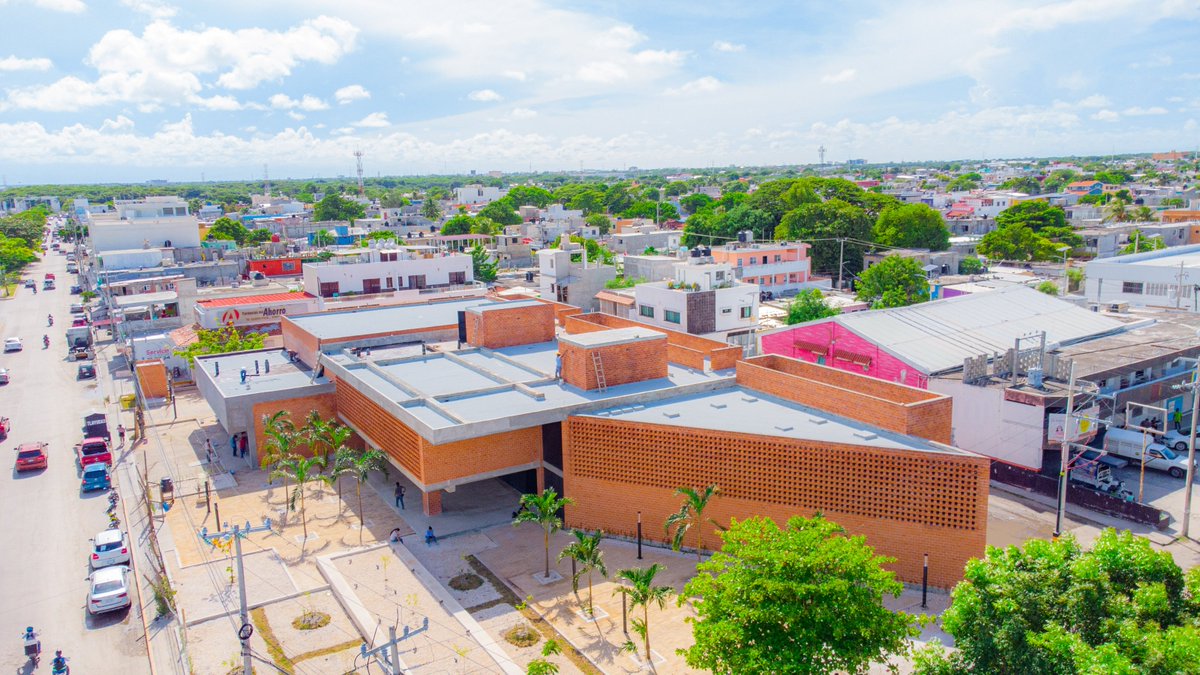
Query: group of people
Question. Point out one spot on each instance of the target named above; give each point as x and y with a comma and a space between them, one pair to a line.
240, 444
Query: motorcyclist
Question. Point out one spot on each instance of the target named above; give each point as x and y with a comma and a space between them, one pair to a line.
32, 646
49, 319
46, 341
59, 664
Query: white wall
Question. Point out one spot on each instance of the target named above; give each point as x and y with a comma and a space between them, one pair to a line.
983, 422
350, 276
741, 295
119, 235
1105, 280
660, 298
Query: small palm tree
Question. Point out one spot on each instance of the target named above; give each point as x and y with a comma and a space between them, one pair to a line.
642, 593
343, 458
316, 431
543, 509
586, 553
1117, 211
303, 470
690, 514
1142, 214
281, 441
361, 466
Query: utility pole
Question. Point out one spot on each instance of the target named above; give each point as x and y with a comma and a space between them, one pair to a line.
1194, 387
243, 612
1064, 470
391, 649
841, 255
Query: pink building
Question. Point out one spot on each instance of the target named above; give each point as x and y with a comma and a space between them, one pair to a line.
778, 267
829, 343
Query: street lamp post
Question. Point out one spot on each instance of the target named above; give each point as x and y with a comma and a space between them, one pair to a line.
1192, 386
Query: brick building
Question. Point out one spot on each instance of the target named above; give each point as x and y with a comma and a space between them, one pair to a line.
636, 413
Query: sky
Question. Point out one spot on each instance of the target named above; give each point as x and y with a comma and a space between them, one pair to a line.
134, 90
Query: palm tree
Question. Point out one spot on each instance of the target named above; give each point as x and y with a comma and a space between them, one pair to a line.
303, 470
1142, 214
281, 441
361, 466
586, 553
316, 431
543, 509
642, 593
690, 514
343, 457
1117, 211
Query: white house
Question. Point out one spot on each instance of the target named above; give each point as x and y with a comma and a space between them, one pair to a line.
153, 222
471, 195
1167, 277
405, 273
704, 298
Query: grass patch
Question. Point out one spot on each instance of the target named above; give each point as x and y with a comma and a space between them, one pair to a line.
259, 617
318, 653
466, 582
507, 596
310, 620
522, 635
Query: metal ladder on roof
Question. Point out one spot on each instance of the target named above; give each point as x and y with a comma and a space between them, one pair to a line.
598, 366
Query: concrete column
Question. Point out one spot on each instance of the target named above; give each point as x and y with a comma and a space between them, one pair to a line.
431, 502
541, 479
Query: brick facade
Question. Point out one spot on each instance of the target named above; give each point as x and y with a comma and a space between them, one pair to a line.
298, 409
891, 406
906, 503
625, 362
691, 351
495, 328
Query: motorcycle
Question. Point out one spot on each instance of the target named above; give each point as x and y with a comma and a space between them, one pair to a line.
113, 521
45, 342
33, 646
113, 499
59, 665
49, 319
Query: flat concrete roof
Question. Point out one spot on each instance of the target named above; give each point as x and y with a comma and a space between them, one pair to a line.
144, 298
613, 336
498, 306
746, 411
285, 374
334, 326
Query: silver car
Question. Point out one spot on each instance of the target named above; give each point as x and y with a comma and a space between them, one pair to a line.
110, 590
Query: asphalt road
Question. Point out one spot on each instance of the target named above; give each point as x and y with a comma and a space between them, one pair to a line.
47, 522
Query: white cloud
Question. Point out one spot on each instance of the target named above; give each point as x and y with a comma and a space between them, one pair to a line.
728, 47
295, 115
1094, 101
484, 95
351, 93
1106, 115
659, 57
601, 72
698, 86
68, 6
518, 75
12, 63
163, 65
154, 8
374, 120
306, 102
1137, 111
845, 75
218, 102
523, 113
122, 123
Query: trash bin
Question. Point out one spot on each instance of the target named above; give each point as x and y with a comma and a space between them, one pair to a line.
167, 488
127, 401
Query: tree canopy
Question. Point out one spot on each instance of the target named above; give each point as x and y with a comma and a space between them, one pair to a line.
804, 598
1034, 214
501, 212
460, 224
809, 305
228, 229
524, 195
220, 341
912, 226
334, 207
826, 221
893, 282
1140, 242
1050, 607
484, 268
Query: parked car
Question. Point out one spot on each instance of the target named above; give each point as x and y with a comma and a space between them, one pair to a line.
77, 308
76, 289
5, 427
110, 590
1176, 440
95, 477
31, 283
13, 344
72, 269
4, 376
86, 372
48, 285
50, 275
1128, 443
82, 354
109, 548
31, 456
93, 450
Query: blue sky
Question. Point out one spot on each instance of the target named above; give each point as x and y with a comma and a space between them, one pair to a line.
141, 89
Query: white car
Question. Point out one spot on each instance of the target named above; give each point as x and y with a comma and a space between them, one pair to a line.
1176, 440
13, 344
110, 547
4, 376
110, 590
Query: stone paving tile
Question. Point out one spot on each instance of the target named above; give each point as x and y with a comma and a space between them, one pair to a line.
498, 619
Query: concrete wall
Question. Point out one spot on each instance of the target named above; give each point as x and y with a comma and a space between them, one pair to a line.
109, 235
986, 424
906, 503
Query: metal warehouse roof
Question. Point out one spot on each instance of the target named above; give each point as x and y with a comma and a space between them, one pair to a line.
937, 336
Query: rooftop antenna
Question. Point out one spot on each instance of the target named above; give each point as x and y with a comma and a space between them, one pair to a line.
358, 155
821, 154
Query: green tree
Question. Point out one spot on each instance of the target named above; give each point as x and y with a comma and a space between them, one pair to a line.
1017, 242
334, 207
1075, 278
502, 212
393, 199
301, 470
1034, 214
690, 514
281, 442
806, 598
640, 589
827, 221
431, 209
588, 557
912, 226
809, 305
259, 236
648, 209
220, 341
893, 282
485, 269
15, 254
460, 224
963, 183
1026, 184
543, 509
228, 229
343, 456
694, 203
1117, 211
1051, 607
522, 195
600, 221
27, 226
743, 217
1140, 242
1048, 287
675, 189
1141, 214
970, 265
361, 467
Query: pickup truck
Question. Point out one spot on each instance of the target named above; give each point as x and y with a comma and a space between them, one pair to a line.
1127, 443
93, 450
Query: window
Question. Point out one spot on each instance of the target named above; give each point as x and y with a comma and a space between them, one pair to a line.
458, 277
329, 289
739, 262
727, 310
670, 316
720, 275
746, 312
289, 267
778, 258
764, 260
646, 311
1134, 287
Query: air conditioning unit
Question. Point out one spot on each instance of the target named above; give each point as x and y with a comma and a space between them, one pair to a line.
1118, 307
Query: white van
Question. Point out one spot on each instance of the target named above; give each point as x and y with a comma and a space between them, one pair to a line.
1128, 443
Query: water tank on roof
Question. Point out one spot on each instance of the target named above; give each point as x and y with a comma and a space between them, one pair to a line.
707, 252
695, 253
1035, 377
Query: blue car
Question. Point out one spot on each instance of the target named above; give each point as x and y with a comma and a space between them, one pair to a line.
96, 477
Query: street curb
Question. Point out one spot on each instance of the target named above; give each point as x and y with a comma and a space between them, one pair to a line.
125, 468
345, 595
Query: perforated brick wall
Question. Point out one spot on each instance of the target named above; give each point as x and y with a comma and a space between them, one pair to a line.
496, 328
298, 409
905, 502
394, 438
623, 363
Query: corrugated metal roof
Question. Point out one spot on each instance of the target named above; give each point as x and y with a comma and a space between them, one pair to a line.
937, 336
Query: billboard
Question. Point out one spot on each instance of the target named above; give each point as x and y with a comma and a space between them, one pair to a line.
1085, 429
251, 314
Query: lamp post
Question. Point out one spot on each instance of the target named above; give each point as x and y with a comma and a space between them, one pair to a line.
1193, 387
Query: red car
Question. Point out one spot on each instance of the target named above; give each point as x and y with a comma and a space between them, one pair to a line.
5, 426
31, 456
91, 451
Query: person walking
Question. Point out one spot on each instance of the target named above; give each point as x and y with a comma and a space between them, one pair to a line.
1177, 418
121, 433
399, 496
558, 366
